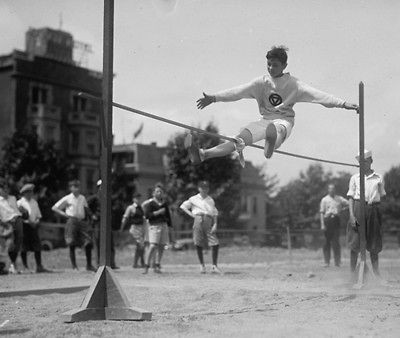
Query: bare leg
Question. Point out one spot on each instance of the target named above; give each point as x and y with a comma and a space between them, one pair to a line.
281, 135
226, 148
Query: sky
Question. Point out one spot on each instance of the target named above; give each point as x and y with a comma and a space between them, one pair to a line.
164, 60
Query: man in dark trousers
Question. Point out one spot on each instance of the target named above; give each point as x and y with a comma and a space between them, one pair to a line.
330, 209
374, 192
94, 207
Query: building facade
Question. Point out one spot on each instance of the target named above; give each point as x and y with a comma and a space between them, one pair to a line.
39, 88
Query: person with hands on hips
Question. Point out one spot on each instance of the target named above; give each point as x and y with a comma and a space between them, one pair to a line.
201, 208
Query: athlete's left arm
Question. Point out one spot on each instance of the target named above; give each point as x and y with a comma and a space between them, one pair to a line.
306, 93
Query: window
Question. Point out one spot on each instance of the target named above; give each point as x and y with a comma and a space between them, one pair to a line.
75, 140
130, 157
91, 138
90, 178
255, 206
39, 95
243, 204
49, 133
79, 104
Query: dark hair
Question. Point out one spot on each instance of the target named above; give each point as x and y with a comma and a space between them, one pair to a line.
203, 184
75, 183
159, 185
279, 53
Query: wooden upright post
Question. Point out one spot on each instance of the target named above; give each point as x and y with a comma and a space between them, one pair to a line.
362, 223
106, 299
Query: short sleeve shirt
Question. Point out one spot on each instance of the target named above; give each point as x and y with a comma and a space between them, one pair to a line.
374, 188
74, 206
332, 205
198, 204
32, 207
8, 208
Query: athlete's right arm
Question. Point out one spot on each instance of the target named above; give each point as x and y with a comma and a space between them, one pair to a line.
246, 91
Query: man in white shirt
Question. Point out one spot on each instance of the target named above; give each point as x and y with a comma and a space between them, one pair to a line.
201, 208
31, 241
74, 207
330, 210
10, 216
374, 191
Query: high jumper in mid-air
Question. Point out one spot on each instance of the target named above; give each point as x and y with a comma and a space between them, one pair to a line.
276, 94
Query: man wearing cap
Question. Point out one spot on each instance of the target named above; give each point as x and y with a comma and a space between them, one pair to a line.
134, 218
94, 206
330, 209
374, 191
31, 240
11, 218
201, 208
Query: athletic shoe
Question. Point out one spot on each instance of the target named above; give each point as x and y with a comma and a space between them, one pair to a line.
91, 268
203, 269
157, 268
41, 269
114, 267
216, 269
146, 270
270, 140
12, 270
26, 269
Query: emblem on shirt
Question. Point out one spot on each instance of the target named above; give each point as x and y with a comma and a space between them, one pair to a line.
275, 99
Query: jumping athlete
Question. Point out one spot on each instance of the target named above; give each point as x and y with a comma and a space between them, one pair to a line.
276, 94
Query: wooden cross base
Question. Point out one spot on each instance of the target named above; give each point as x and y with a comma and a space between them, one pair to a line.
105, 300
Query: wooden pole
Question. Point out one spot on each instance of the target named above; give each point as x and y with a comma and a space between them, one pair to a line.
289, 241
105, 298
362, 223
105, 159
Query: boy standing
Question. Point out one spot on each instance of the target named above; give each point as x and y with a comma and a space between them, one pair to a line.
74, 208
134, 216
201, 208
276, 93
374, 191
31, 239
330, 210
11, 218
156, 211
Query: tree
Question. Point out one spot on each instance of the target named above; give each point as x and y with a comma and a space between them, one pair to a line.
26, 158
223, 173
391, 203
298, 201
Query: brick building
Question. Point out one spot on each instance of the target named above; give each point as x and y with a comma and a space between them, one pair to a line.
39, 89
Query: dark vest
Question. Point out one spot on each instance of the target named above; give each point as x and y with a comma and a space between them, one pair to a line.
137, 217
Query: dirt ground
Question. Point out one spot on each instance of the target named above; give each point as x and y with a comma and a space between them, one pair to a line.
261, 294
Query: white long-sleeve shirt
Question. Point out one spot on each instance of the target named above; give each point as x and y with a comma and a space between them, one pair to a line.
277, 96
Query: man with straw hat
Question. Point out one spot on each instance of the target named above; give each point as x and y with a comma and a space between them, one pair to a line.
374, 191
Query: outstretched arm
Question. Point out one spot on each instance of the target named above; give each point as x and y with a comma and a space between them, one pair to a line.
246, 91
307, 93
205, 101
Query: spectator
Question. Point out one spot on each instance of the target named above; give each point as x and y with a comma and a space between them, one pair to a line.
31, 240
11, 219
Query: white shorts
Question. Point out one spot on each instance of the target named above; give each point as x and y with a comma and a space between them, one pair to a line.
158, 234
258, 128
